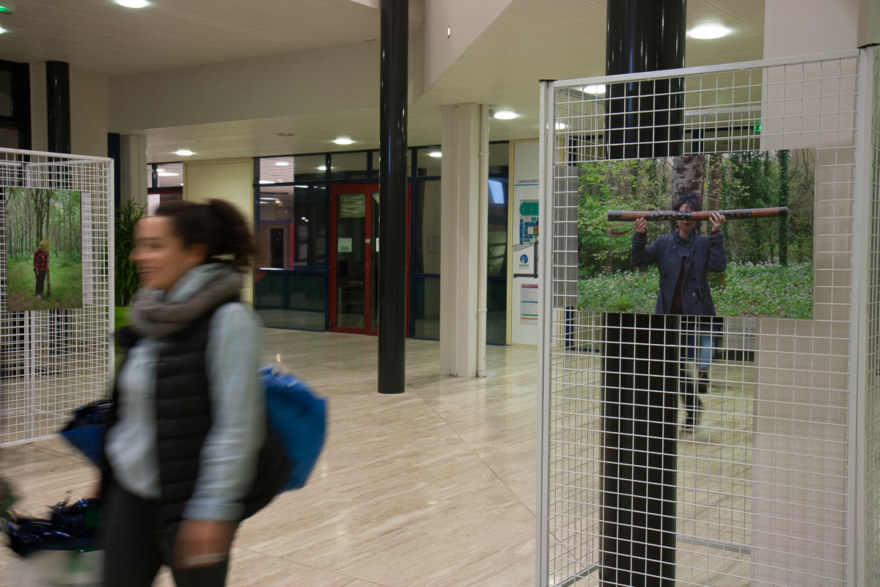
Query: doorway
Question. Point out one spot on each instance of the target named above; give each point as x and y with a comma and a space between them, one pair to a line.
354, 258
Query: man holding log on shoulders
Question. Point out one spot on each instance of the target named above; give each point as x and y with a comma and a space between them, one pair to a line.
684, 257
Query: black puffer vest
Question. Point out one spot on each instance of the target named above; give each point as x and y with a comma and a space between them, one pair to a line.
183, 419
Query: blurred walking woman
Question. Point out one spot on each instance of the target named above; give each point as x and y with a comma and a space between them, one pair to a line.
684, 257
189, 421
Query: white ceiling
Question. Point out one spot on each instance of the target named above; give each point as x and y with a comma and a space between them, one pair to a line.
530, 41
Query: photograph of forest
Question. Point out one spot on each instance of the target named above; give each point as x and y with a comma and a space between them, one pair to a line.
770, 260
43, 249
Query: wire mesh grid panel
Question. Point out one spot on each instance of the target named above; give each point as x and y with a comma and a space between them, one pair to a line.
872, 351
685, 444
56, 348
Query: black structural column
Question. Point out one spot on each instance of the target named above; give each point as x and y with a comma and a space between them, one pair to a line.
645, 118
58, 105
392, 196
641, 354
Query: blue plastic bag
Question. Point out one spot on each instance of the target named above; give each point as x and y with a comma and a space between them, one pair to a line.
296, 414
299, 417
86, 430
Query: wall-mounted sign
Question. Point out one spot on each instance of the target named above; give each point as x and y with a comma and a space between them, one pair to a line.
525, 262
343, 245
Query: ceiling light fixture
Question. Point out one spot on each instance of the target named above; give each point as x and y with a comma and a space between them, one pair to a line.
595, 89
183, 153
435, 154
2, 30
282, 163
709, 30
343, 141
506, 115
133, 3
163, 173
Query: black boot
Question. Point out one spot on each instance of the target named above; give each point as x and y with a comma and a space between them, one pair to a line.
703, 381
693, 414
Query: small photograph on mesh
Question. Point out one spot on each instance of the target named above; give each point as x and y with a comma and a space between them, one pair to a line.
43, 249
708, 234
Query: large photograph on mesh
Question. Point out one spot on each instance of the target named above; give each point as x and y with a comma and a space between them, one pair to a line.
767, 239
43, 249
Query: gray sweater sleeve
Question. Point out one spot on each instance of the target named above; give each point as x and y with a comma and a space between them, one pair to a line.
231, 447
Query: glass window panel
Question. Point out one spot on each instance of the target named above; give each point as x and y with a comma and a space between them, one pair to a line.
496, 311
310, 168
150, 176
9, 138
497, 229
276, 170
428, 161
499, 158
289, 300
170, 175
6, 82
426, 226
292, 227
345, 166
426, 307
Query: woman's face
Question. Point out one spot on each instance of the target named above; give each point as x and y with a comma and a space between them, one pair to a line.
686, 226
160, 255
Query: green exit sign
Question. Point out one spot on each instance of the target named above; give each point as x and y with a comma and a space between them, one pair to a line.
7, 8
757, 127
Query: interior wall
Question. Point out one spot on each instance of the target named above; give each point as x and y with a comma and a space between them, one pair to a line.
227, 179
89, 114
809, 27
245, 89
467, 21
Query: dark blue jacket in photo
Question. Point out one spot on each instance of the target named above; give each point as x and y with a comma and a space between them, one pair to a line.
702, 254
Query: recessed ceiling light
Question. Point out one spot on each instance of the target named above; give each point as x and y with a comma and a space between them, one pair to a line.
322, 168
266, 181
595, 89
133, 3
709, 30
183, 152
561, 126
163, 173
435, 154
282, 163
343, 141
506, 115
2, 30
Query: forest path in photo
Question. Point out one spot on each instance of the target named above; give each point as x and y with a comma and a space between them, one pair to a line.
65, 276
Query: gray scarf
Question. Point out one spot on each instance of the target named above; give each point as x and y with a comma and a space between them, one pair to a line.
153, 317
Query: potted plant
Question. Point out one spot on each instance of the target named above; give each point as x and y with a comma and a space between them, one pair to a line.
126, 281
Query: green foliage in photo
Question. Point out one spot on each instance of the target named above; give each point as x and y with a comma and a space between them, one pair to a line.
747, 290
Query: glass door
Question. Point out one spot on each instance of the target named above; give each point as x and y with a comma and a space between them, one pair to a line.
354, 258
354, 262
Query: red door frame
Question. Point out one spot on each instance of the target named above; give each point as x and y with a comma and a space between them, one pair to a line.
368, 189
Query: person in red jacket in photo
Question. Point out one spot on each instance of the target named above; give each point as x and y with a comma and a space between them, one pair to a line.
41, 265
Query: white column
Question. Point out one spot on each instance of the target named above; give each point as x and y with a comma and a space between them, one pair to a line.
460, 173
133, 168
799, 494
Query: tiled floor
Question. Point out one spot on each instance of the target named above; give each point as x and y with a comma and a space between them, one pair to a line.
432, 487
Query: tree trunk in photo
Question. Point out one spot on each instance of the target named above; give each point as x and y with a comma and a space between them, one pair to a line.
784, 181
688, 174
713, 195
